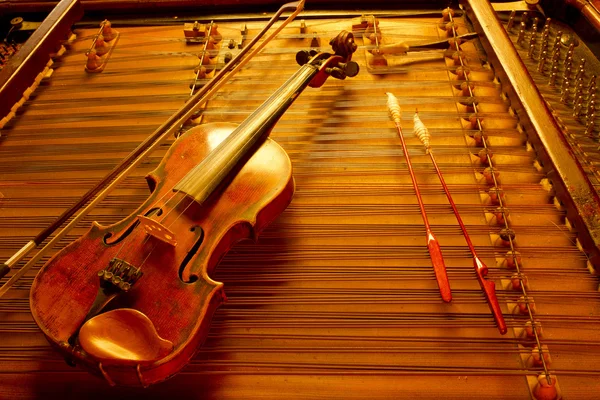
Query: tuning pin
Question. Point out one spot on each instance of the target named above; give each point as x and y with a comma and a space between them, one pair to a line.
531, 50
592, 85
544, 44
571, 50
535, 24
591, 107
542, 61
581, 69
579, 87
545, 38
568, 65
565, 91
590, 124
315, 42
511, 20
557, 37
521, 35
553, 76
556, 52
302, 27
244, 30
531, 44
580, 74
554, 63
524, 17
577, 106
532, 38
590, 110
547, 23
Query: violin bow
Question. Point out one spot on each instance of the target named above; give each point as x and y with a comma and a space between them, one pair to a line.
481, 270
96, 194
435, 251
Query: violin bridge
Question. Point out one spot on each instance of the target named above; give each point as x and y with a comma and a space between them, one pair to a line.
157, 230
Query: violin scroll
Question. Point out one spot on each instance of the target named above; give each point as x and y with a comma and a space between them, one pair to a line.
339, 65
343, 45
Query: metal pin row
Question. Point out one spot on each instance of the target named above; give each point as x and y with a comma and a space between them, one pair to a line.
573, 86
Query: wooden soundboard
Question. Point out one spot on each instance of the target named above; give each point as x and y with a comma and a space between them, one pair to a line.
337, 298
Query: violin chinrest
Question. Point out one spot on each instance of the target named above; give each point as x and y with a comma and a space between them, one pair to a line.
123, 337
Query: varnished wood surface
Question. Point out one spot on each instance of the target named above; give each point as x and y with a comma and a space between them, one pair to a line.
337, 299
32, 58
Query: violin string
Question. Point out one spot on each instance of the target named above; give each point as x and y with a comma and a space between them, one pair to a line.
244, 95
415, 41
175, 192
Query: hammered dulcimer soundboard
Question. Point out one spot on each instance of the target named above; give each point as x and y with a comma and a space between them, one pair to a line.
337, 299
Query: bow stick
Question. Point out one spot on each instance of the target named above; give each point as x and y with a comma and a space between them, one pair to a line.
405, 47
435, 252
481, 270
102, 188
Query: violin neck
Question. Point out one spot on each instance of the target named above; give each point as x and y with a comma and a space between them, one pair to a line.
203, 179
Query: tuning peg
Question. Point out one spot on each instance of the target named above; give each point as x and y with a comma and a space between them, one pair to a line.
336, 72
350, 68
302, 57
344, 70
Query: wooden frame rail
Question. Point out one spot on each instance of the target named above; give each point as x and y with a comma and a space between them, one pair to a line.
562, 168
21, 70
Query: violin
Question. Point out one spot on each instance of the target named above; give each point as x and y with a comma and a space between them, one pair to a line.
133, 301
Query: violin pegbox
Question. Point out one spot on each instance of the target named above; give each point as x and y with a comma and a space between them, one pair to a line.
338, 65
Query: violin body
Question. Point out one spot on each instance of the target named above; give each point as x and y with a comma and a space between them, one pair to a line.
175, 293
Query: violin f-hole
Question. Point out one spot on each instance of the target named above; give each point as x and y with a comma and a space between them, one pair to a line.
188, 257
